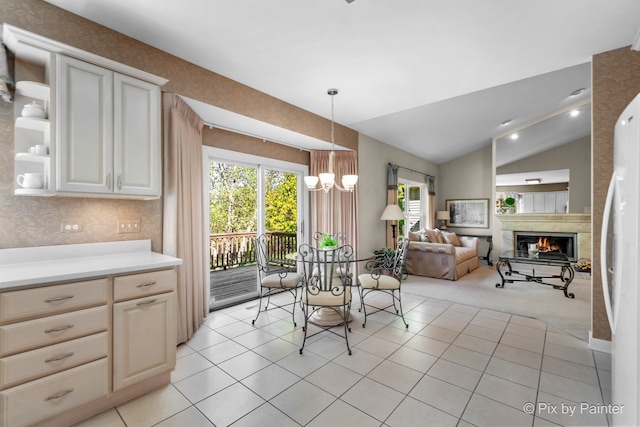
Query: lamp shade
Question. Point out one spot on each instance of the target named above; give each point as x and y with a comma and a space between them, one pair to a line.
392, 213
443, 215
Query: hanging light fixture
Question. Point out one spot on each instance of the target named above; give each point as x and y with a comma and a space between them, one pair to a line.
327, 179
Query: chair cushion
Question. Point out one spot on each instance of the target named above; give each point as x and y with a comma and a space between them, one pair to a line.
367, 281
291, 280
327, 298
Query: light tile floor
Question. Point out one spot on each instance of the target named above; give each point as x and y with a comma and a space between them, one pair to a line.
456, 365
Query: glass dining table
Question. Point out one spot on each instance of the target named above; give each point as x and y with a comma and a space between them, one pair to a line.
328, 316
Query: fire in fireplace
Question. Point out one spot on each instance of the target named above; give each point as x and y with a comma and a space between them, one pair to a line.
547, 242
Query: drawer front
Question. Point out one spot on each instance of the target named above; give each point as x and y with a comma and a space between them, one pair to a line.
51, 330
31, 365
54, 299
34, 401
140, 285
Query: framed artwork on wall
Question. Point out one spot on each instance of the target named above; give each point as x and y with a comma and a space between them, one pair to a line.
470, 213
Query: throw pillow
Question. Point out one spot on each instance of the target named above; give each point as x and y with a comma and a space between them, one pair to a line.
439, 236
432, 236
415, 236
451, 238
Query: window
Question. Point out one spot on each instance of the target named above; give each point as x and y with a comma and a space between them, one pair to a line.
413, 202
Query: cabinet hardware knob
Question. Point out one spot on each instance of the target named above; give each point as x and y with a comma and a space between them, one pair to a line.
59, 328
60, 298
59, 394
146, 285
147, 302
59, 357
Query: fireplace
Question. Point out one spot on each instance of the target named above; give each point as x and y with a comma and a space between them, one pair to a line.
548, 242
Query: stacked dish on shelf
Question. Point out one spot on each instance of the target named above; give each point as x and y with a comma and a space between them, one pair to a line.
32, 138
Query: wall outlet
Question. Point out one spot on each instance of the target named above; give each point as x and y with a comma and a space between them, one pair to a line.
128, 226
66, 227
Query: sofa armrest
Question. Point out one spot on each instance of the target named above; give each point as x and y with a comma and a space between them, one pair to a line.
469, 242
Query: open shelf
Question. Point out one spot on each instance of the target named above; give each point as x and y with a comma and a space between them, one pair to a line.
36, 158
33, 192
33, 90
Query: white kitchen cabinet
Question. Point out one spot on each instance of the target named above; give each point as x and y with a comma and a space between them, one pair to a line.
102, 124
51, 340
562, 202
35, 401
144, 328
108, 137
550, 202
545, 202
144, 342
538, 202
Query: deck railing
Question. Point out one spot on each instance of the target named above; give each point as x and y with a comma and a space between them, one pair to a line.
235, 249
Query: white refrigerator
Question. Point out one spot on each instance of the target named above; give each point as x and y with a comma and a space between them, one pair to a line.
620, 260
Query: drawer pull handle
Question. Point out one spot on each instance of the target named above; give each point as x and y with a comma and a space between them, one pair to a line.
59, 328
59, 394
147, 302
146, 285
59, 357
60, 298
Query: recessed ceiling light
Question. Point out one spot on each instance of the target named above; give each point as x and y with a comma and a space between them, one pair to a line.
577, 92
514, 136
506, 122
575, 113
533, 181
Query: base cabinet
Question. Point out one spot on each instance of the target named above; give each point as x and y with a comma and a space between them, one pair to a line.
144, 342
35, 401
70, 351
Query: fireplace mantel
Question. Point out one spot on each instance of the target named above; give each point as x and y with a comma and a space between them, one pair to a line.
560, 223
557, 222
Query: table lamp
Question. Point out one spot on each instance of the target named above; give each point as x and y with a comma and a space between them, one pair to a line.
392, 213
444, 217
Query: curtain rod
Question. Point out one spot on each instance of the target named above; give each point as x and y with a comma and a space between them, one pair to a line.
412, 170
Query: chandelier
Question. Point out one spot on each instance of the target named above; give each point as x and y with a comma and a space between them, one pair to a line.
327, 179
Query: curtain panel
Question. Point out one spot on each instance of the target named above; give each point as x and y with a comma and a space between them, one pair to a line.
335, 211
392, 199
183, 217
431, 190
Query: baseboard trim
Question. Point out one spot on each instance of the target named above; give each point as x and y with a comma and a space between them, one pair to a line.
598, 344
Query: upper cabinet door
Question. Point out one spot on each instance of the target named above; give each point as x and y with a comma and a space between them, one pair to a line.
85, 127
136, 136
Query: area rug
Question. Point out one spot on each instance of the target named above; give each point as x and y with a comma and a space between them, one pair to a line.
529, 299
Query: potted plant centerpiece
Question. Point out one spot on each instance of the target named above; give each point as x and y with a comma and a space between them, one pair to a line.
328, 241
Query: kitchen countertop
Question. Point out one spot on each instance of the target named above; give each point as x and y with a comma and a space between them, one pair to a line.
29, 267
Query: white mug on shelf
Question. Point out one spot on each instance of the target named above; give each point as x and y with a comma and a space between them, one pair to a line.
40, 150
30, 180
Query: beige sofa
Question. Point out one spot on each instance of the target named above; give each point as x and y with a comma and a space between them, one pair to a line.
442, 255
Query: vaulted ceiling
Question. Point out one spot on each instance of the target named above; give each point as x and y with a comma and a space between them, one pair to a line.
433, 77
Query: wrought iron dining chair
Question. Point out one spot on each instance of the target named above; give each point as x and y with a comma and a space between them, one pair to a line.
327, 286
274, 276
386, 277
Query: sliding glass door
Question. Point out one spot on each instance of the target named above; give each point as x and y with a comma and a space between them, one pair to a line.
247, 196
